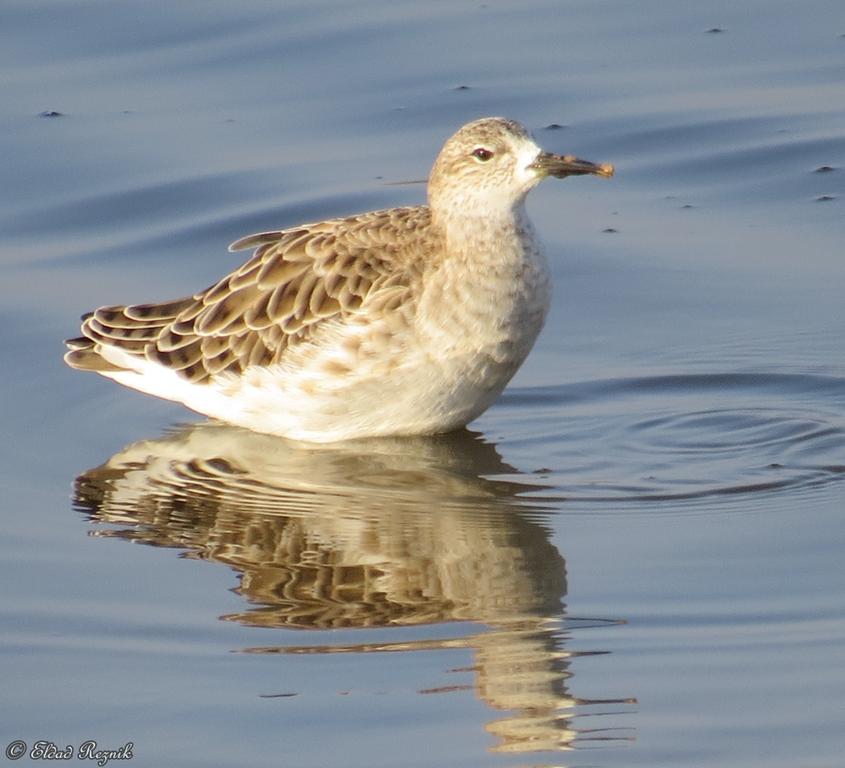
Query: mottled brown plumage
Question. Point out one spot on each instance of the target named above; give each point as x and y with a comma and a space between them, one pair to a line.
296, 280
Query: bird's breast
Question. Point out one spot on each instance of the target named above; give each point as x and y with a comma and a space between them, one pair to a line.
487, 310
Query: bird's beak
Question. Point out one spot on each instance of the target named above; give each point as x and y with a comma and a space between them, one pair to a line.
561, 166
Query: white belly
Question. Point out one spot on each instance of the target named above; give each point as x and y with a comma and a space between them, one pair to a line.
466, 344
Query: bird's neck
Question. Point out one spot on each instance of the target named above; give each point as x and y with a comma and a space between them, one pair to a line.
485, 235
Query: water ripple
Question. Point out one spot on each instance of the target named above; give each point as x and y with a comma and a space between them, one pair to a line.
672, 438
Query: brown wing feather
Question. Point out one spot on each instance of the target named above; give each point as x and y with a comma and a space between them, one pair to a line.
294, 281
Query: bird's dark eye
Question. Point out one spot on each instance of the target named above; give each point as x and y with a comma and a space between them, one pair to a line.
482, 154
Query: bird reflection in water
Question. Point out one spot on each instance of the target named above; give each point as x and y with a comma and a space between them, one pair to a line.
376, 533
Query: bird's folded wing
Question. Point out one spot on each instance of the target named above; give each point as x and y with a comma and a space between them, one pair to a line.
295, 280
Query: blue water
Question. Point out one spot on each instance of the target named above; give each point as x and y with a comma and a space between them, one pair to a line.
633, 558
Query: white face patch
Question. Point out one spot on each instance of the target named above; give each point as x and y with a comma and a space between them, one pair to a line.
525, 155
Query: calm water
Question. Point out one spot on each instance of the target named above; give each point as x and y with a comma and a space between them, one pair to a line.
634, 558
